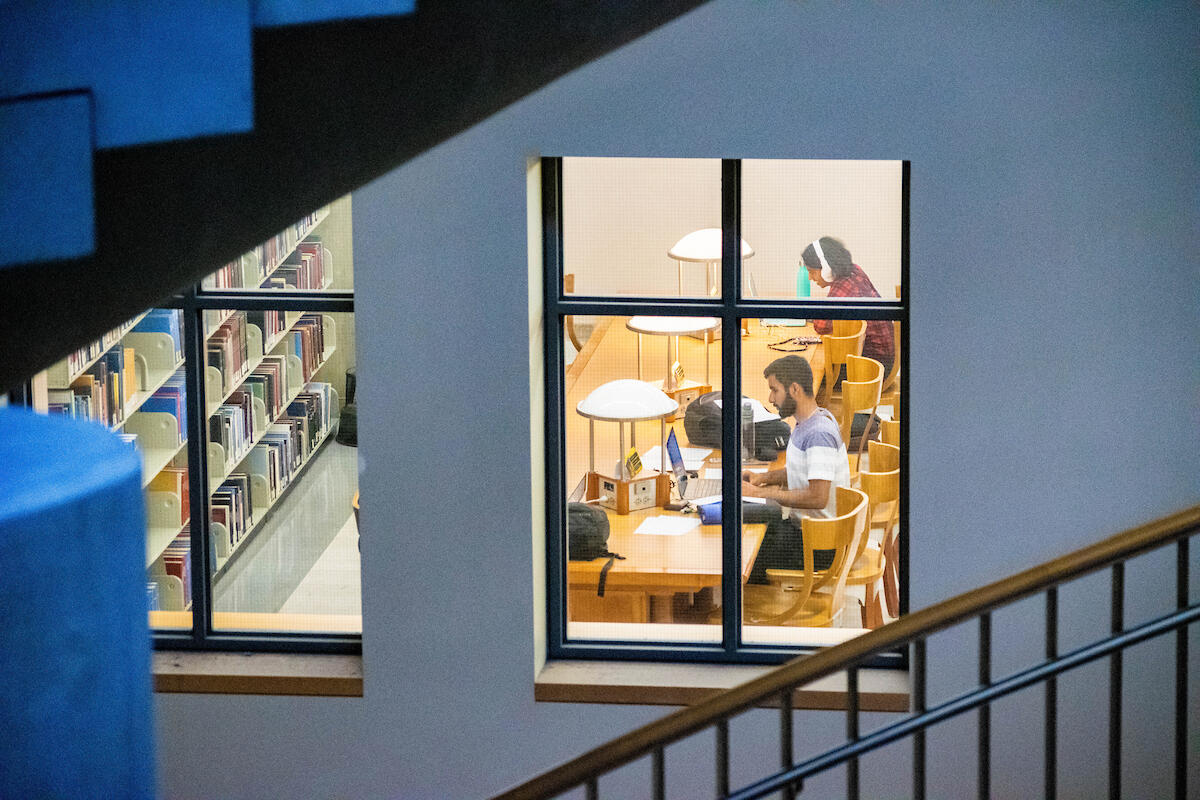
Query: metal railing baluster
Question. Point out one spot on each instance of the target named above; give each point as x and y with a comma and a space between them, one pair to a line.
593, 789
1181, 670
786, 728
852, 730
658, 774
985, 711
1114, 684
1051, 755
722, 757
918, 706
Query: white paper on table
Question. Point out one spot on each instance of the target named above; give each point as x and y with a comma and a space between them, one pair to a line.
760, 411
703, 501
754, 469
663, 525
712, 473
693, 458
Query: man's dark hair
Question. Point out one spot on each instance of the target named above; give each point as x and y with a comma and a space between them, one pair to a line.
840, 261
791, 369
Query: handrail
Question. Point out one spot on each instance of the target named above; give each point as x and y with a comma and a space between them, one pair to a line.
805, 669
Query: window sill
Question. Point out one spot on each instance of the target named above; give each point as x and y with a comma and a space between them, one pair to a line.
622, 682
258, 673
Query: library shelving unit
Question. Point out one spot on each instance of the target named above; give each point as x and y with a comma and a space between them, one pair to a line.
221, 465
150, 359
266, 412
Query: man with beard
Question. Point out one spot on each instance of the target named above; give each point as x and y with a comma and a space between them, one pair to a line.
815, 463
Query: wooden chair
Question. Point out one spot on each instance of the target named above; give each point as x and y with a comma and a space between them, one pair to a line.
889, 431
812, 597
872, 565
569, 321
837, 348
891, 381
860, 393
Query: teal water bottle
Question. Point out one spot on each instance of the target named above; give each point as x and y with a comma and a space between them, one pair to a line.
803, 288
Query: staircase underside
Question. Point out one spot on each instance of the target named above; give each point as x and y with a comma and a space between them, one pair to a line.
336, 105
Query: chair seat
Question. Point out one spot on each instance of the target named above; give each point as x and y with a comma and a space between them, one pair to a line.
867, 567
763, 605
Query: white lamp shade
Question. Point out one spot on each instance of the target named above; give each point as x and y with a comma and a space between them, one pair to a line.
625, 400
672, 326
703, 245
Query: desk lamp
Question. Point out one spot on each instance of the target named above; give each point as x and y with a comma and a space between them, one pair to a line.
623, 401
702, 247
681, 391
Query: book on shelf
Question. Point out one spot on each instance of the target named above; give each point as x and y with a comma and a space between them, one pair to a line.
164, 320
175, 481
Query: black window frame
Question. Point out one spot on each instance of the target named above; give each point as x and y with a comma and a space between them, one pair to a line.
730, 307
194, 301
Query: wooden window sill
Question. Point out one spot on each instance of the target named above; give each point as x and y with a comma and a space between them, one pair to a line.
622, 682
258, 673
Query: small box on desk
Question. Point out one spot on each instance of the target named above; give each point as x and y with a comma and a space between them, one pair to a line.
623, 495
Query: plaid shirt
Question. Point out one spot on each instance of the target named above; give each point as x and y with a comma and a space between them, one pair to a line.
879, 342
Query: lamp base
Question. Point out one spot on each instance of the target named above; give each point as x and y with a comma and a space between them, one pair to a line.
624, 496
684, 394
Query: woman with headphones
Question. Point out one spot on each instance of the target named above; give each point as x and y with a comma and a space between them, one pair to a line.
829, 265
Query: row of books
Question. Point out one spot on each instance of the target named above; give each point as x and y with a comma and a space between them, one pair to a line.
170, 398
164, 320
308, 342
176, 561
303, 269
174, 480
80, 358
101, 392
265, 256
227, 350
289, 442
277, 458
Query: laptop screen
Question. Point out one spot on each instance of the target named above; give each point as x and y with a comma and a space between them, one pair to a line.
676, 456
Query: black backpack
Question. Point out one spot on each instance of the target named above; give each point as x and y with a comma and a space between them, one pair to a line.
587, 538
702, 423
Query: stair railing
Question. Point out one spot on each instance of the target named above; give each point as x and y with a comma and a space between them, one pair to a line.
912, 630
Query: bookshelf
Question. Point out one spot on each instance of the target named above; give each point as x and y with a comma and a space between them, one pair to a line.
133, 379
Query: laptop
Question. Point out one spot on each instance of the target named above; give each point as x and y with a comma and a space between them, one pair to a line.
689, 488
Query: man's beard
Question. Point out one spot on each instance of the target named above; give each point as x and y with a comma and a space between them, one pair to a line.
787, 408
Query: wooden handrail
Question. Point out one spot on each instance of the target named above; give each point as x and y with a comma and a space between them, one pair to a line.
805, 669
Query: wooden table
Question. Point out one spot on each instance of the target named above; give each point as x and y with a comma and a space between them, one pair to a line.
656, 567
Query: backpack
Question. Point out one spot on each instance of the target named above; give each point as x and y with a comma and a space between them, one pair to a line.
587, 538
702, 423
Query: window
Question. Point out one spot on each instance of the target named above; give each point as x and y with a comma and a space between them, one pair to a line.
644, 289
238, 394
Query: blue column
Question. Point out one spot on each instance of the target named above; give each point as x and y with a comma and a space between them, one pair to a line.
75, 686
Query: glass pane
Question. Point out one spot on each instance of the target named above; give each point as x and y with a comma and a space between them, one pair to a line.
282, 488
314, 254
834, 488
852, 209
624, 390
131, 380
642, 226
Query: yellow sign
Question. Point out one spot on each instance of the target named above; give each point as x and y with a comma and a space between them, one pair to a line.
633, 462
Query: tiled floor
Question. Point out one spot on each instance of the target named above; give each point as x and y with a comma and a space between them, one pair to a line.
305, 556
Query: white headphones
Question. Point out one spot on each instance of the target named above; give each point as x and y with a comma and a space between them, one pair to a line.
826, 270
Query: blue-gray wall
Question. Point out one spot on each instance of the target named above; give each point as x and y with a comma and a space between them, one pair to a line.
1055, 379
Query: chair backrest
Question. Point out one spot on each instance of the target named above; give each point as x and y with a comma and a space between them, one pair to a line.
842, 534
848, 327
860, 391
569, 321
890, 380
883, 457
836, 348
889, 431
